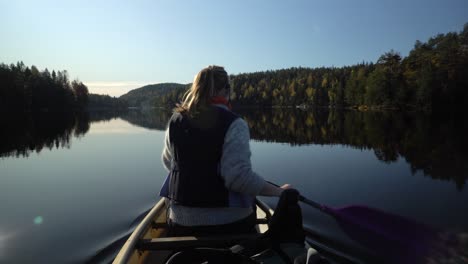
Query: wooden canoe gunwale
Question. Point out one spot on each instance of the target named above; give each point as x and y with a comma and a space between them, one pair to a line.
127, 249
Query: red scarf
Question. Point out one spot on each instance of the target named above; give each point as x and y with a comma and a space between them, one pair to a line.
221, 100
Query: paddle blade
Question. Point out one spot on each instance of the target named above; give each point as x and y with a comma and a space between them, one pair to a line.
386, 234
386, 224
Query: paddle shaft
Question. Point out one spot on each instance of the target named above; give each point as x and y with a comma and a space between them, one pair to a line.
305, 200
310, 202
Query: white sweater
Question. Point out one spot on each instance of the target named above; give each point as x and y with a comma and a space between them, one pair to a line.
236, 170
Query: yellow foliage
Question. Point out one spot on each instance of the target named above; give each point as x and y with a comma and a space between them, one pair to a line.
324, 131
324, 82
292, 124
310, 92
310, 121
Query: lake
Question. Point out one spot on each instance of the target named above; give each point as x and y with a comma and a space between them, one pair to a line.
73, 186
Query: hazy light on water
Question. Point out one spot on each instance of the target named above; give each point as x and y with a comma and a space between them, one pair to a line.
117, 126
4, 237
2, 244
38, 220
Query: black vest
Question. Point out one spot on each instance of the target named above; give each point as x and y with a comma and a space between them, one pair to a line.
197, 144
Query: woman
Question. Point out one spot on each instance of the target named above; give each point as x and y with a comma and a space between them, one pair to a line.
211, 186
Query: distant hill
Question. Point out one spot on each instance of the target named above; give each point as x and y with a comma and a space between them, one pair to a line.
153, 94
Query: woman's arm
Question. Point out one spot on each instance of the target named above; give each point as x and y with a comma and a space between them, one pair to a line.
273, 190
236, 167
166, 155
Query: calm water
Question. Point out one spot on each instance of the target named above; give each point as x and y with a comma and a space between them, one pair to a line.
72, 187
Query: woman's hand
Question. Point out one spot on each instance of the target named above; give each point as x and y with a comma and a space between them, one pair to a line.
287, 186
273, 190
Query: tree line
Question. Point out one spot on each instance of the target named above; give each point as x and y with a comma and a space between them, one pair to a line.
30, 89
433, 76
98, 101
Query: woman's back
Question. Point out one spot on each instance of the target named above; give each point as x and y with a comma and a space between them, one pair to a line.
207, 154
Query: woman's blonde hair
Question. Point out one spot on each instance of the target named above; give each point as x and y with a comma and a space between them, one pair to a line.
206, 84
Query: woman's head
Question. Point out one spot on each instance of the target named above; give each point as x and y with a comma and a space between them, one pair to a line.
210, 81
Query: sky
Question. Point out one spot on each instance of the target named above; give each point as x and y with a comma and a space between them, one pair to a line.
115, 46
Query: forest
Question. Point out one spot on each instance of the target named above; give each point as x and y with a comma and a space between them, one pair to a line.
29, 89
99, 102
434, 76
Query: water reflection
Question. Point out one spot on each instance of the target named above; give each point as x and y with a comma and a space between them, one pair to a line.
434, 145
25, 133
149, 118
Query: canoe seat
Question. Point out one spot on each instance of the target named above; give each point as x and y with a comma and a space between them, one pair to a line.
177, 243
154, 224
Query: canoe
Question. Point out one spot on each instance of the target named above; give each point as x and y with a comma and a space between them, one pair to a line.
149, 243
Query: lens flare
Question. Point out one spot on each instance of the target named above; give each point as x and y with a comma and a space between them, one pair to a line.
38, 220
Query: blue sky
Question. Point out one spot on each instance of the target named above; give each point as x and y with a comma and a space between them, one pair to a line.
115, 46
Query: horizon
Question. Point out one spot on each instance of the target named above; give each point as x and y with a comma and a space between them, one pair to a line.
118, 47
